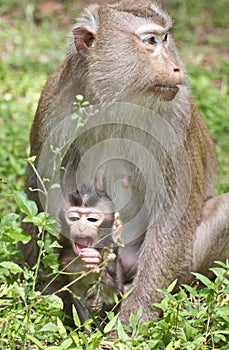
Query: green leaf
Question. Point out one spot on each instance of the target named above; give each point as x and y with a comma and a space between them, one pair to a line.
110, 325
11, 266
221, 263
5, 290
55, 301
49, 327
219, 271
35, 341
21, 291
116, 299
4, 272
19, 236
76, 340
124, 296
11, 231
172, 286
173, 345
204, 280
76, 317
50, 227
56, 244
190, 289
31, 159
134, 321
121, 333
9, 219
40, 244
55, 186
66, 344
50, 260
61, 329
27, 206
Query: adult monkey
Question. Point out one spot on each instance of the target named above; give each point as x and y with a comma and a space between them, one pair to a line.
125, 52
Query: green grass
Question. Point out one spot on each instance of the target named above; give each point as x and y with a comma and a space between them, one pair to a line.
30, 51
29, 54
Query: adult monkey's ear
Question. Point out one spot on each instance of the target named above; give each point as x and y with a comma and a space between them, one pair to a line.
84, 37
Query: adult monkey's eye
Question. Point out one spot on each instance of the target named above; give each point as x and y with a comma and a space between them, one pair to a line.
165, 37
150, 40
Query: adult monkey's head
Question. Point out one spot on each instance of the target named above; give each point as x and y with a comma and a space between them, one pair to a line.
129, 52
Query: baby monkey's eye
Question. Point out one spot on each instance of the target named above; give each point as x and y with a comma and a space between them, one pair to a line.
72, 217
92, 219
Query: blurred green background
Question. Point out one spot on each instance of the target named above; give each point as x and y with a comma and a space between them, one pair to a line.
33, 41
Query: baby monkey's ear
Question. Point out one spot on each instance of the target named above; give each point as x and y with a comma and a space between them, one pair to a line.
117, 228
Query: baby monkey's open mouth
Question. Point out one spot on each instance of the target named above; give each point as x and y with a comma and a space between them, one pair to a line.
81, 243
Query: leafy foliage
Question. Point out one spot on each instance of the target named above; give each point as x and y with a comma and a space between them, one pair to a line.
194, 318
31, 47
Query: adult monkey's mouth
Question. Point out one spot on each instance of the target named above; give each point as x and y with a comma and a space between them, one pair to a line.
165, 88
166, 92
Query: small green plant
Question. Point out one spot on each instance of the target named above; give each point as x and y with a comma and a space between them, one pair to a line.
20, 283
194, 318
197, 318
21, 306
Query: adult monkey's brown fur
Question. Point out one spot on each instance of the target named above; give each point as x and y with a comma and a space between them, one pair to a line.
112, 57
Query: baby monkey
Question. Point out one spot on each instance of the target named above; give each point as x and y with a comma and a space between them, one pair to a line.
89, 233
